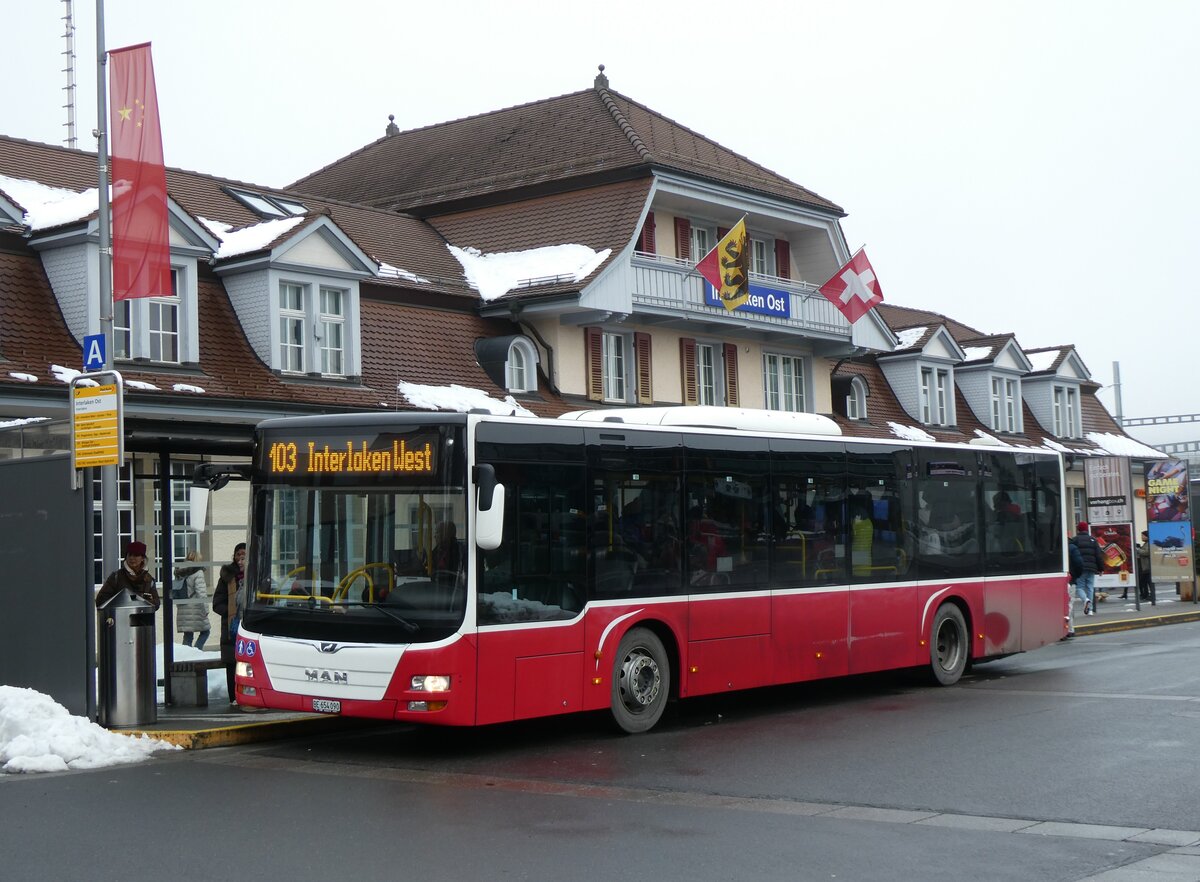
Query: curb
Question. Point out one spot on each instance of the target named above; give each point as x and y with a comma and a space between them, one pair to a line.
242, 733
1132, 624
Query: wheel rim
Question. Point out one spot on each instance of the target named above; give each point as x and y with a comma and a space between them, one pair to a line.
640, 681
949, 646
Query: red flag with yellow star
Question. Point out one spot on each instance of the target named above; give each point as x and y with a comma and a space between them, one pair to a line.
140, 234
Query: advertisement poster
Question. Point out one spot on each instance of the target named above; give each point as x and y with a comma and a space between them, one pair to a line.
1171, 551
1116, 555
1167, 491
1109, 489
1168, 518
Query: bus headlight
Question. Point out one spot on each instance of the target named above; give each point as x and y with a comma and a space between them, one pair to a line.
431, 683
243, 669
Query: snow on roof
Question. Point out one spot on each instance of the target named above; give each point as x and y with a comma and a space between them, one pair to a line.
387, 271
23, 377
974, 353
909, 337
1123, 445
983, 437
494, 275
459, 398
10, 424
141, 384
188, 387
49, 206
37, 734
66, 375
910, 433
252, 238
1042, 361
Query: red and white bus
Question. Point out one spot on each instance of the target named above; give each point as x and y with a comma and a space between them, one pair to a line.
466, 569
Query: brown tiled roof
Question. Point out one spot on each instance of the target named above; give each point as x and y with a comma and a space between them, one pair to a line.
559, 143
906, 317
1062, 351
33, 334
598, 217
397, 239
993, 342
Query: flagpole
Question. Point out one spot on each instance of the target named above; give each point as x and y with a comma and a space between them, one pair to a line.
108, 474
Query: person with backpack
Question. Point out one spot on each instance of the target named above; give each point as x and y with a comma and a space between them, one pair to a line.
1088, 550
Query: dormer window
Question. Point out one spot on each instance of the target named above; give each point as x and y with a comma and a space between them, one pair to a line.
935, 397
520, 369
269, 207
1066, 412
1005, 405
149, 328
856, 401
324, 351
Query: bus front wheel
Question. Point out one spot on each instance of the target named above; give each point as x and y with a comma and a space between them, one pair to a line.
948, 645
641, 681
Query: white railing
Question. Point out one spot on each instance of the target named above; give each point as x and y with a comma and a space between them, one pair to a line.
664, 282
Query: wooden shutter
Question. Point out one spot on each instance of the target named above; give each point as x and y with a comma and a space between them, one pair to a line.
645, 385
783, 259
683, 238
687, 370
722, 232
731, 375
646, 238
593, 349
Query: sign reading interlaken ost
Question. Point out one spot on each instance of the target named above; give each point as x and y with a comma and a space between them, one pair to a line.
97, 420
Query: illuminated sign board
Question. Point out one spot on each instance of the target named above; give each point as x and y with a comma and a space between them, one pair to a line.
387, 455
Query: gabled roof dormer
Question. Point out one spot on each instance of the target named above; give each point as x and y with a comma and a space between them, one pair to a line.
990, 381
1053, 389
294, 283
63, 225
920, 371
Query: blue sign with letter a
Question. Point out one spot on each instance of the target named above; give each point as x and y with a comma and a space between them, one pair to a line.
93, 352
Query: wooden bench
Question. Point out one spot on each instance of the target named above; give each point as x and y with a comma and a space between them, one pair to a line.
189, 681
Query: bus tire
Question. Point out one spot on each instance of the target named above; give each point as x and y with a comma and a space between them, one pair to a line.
641, 681
949, 645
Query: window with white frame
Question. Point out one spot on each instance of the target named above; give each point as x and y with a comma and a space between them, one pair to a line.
183, 537
702, 241
291, 327
856, 401
1079, 503
1004, 405
760, 257
935, 396
332, 331
1066, 412
706, 374
783, 382
520, 368
150, 328
123, 329
615, 362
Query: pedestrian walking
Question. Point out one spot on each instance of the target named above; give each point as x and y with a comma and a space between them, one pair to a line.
228, 600
1089, 564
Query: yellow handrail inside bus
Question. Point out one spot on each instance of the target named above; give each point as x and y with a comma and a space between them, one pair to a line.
343, 589
320, 598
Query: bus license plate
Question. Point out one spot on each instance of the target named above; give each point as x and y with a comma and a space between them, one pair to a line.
327, 706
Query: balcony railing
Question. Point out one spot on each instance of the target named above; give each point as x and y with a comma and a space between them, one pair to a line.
663, 283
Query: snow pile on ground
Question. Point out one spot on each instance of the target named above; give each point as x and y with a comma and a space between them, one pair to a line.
37, 734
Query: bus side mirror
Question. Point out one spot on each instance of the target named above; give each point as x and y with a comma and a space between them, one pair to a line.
198, 514
489, 509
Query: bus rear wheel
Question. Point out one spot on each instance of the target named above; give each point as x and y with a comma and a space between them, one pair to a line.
641, 681
948, 645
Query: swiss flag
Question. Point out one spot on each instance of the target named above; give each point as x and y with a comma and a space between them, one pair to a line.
854, 288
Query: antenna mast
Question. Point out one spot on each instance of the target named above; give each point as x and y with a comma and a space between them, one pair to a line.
69, 70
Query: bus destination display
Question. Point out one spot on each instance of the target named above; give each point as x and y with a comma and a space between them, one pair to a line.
306, 456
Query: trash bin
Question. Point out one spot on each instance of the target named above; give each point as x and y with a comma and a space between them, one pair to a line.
127, 679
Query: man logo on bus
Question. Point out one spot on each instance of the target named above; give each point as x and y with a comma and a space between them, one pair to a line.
320, 675
329, 647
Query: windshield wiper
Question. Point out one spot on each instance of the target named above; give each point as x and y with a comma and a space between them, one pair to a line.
410, 627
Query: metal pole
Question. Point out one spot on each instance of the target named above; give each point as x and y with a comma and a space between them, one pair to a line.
110, 553
166, 555
1117, 391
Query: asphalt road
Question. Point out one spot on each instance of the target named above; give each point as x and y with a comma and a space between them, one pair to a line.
1046, 766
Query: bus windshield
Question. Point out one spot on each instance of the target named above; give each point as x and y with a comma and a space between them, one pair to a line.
371, 554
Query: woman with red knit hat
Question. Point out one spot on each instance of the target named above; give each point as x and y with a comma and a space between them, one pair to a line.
131, 575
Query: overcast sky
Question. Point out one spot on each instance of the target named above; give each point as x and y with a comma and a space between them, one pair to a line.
1025, 167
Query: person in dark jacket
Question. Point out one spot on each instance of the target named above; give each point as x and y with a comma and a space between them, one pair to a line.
1089, 565
131, 575
227, 601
